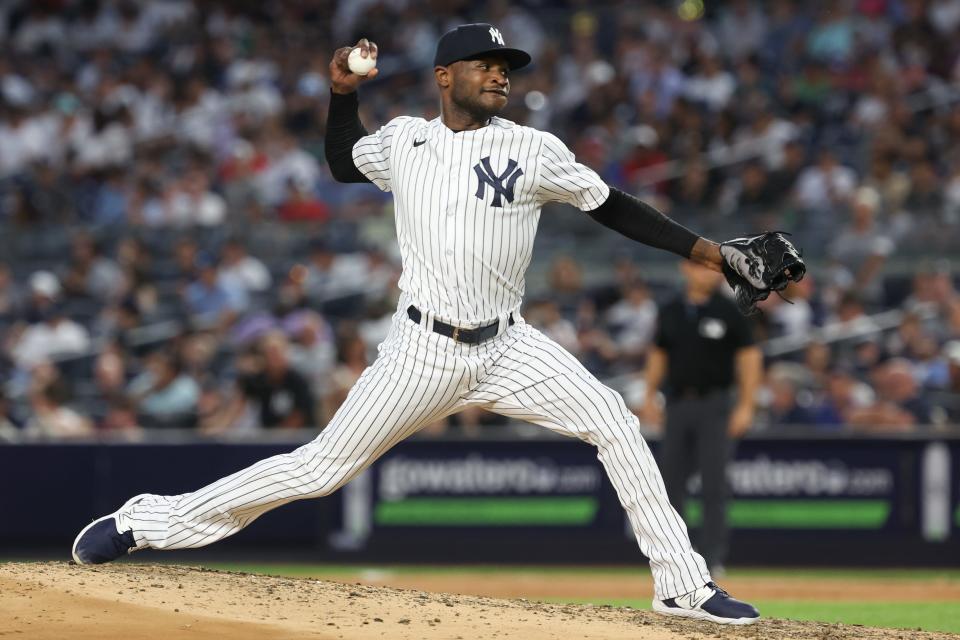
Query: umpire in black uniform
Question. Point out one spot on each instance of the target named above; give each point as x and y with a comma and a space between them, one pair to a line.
702, 349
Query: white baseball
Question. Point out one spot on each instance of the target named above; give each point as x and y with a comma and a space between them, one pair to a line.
358, 64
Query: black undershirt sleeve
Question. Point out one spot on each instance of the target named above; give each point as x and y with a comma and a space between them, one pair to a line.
641, 222
343, 130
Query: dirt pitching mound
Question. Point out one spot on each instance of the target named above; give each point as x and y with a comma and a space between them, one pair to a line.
61, 601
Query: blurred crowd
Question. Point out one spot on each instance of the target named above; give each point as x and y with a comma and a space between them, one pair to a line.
178, 255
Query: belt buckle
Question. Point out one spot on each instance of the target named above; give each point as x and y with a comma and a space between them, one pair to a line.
456, 334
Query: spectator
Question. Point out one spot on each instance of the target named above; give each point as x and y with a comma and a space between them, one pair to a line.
242, 269
785, 407
818, 361
110, 371
192, 203
755, 197
633, 320
842, 395
50, 417
164, 395
924, 200
861, 249
52, 335
91, 274
899, 404
566, 284
742, 28
288, 164
282, 395
331, 275
832, 39
712, 85
599, 353
312, 349
547, 317
301, 204
352, 361
850, 319
783, 180
889, 182
765, 134
693, 192
211, 298
826, 186
792, 314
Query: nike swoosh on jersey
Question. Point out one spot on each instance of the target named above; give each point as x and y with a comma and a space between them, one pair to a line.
417, 143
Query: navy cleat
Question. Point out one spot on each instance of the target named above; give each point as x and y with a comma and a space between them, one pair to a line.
102, 541
709, 602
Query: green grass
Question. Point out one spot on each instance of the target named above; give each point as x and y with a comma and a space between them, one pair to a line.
928, 616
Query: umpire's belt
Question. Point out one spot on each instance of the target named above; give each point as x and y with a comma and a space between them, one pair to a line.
467, 336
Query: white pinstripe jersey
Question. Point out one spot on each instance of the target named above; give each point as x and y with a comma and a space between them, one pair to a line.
467, 206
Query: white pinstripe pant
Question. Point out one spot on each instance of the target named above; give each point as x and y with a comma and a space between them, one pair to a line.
418, 378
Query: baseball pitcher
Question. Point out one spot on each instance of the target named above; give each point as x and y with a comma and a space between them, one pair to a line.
468, 187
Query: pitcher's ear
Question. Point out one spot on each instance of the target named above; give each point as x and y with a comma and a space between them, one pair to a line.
442, 74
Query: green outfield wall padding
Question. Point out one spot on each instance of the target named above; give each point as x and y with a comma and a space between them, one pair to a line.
799, 514
487, 511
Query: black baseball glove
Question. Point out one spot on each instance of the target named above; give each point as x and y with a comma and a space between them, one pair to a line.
757, 265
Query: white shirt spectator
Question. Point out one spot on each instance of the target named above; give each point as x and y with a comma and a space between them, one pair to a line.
207, 209
39, 30
58, 337
198, 124
291, 163
818, 188
153, 115
742, 28
714, 89
192, 203
248, 272
57, 422
110, 147
944, 15
793, 319
636, 323
765, 139
29, 140
346, 274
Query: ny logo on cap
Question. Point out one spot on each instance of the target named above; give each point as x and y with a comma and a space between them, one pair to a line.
487, 177
495, 36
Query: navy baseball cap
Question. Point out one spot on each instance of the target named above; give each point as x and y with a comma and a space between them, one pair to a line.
469, 41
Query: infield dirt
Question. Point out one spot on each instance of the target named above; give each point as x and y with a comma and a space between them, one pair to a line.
61, 601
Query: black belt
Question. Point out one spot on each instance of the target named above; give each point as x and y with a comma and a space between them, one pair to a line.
468, 336
684, 393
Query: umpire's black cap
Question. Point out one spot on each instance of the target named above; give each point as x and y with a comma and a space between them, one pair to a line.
469, 41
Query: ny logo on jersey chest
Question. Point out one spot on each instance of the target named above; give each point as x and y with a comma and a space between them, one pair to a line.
502, 184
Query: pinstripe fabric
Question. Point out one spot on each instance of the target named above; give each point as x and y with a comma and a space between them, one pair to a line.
464, 258
420, 377
538, 381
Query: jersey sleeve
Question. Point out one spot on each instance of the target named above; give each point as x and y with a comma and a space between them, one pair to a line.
371, 153
563, 179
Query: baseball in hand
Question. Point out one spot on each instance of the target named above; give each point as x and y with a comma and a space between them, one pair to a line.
358, 64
